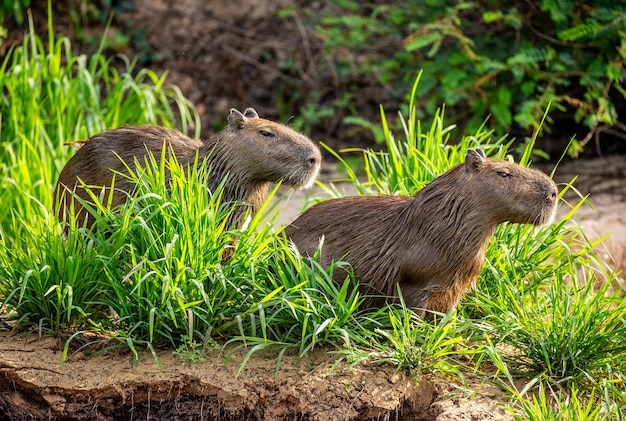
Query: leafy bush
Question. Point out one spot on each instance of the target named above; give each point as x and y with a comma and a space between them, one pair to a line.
507, 59
13, 9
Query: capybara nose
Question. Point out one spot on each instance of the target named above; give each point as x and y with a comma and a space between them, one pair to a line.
548, 189
551, 192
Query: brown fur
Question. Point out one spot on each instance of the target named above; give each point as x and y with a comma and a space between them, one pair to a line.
432, 245
252, 151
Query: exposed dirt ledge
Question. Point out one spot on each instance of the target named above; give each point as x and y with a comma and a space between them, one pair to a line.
35, 385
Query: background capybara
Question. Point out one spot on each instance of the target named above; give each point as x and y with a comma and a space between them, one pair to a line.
252, 151
433, 245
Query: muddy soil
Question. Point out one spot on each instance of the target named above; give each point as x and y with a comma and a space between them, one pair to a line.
35, 384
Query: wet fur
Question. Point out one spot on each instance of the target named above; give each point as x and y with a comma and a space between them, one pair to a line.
252, 151
433, 245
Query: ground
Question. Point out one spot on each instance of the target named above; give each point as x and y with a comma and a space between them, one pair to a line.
214, 55
37, 385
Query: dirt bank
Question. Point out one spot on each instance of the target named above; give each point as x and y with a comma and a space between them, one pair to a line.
35, 384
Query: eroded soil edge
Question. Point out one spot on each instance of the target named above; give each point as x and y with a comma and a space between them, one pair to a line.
36, 384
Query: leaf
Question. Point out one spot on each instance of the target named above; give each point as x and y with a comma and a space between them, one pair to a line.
492, 16
579, 31
422, 41
501, 107
348, 4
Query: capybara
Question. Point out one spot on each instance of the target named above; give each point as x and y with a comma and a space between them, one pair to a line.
250, 151
432, 245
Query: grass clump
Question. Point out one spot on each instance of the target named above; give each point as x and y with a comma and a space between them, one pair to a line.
160, 277
569, 328
419, 346
407, 164
50, 96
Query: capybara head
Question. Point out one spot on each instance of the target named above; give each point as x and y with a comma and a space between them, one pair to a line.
270, 151
432, 245
506, 191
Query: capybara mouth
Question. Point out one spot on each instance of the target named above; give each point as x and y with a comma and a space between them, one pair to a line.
305, 181
547, 213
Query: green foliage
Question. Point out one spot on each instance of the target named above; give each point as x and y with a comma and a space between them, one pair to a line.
153, 272
49, 97
120, 36
506, 59
564, 318
13, 9
407, 164
42, 273
543, 400
419, 346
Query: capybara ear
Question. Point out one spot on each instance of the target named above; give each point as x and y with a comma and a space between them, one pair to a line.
474, 159
251, 113
236, 119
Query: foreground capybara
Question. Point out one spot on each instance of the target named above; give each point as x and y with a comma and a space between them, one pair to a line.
432, 245
251, 151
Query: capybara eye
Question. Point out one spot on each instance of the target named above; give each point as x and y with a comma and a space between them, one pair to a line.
504, 174
267, 133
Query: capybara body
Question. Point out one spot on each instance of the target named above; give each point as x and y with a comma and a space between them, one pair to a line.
252, 152
432, 245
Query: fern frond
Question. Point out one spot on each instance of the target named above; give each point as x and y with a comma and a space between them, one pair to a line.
531, 57
578, 32
417, 40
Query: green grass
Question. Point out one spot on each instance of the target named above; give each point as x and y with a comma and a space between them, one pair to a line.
50, 96
406, 165
152, 273
544, 297
406, 341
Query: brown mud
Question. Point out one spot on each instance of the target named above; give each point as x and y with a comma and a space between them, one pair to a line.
36, 384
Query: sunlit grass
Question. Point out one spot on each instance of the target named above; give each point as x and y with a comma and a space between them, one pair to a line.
50, 96
165, 269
